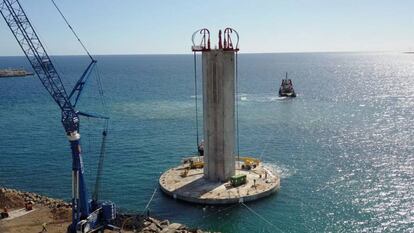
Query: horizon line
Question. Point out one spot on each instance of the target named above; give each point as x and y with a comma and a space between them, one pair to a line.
190, 53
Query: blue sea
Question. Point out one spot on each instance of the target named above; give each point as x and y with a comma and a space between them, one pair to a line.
344, 147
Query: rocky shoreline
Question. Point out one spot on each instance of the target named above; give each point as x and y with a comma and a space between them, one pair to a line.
12, 198
61, 211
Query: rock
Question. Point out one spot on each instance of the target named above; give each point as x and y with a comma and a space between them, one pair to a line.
164, 223
175, 226
152, 220
172, 228
11, 199
16, 199
153, 228
147, 223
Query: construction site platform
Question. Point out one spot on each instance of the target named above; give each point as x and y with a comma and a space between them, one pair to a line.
192, 187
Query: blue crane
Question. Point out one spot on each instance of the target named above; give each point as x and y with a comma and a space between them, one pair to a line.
88, 215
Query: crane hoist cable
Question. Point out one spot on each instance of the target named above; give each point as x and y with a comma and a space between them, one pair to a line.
71, 28
237, 105
100, 89
103, 102
196, 98
95, 195
98, 76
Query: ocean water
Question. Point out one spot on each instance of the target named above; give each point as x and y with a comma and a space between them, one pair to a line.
344, 147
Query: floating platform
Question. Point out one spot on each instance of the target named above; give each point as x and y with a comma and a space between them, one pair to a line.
192, 187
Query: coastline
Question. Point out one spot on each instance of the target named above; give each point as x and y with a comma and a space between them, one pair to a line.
56, 214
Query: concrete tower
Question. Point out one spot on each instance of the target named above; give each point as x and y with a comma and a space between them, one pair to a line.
209, 185
218, 114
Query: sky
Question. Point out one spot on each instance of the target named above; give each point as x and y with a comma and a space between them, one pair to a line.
265, 26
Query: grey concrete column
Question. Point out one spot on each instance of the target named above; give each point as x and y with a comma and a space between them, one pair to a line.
218, 114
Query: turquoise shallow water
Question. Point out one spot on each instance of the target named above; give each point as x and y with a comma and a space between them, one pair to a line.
344, 147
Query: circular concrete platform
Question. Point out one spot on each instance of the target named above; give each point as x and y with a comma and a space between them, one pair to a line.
261, 182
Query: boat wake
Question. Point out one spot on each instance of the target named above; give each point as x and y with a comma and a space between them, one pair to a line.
263, 98
257, 98
282, 170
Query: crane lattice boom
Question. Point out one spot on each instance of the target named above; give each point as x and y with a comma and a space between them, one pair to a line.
32, 47
87, 215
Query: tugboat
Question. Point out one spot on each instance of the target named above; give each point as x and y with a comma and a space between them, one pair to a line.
286, 88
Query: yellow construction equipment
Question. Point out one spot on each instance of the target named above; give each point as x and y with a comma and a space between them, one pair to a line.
249, 163
192, 164
196, 164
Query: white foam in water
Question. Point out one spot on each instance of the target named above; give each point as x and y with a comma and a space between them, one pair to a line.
261, 98
277, 98
282, 170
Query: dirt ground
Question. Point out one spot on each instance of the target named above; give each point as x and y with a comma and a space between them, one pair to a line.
56, 220
57, 216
